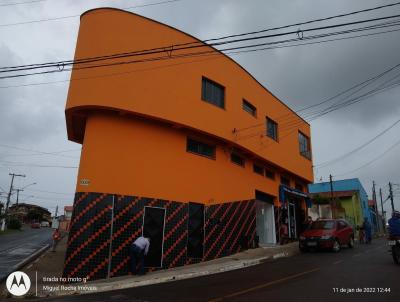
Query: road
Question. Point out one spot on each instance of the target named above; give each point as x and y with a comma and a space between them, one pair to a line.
15, 247
307, 277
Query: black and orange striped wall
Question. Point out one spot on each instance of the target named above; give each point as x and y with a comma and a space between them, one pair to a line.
101, 234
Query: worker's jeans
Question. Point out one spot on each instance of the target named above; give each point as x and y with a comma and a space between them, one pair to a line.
137, 256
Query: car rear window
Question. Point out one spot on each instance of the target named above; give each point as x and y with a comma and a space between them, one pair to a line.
323, 225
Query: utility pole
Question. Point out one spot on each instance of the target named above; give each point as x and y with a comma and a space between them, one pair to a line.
3, 224
375, 205
383, 217
56, 212
332, 205
18, 190
391, 196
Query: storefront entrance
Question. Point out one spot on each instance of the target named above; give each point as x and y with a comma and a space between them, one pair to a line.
265, 222
296, 218
292, 214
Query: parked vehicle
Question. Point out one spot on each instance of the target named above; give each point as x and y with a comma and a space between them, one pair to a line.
35, 225
327, 234
45, 224
394, 244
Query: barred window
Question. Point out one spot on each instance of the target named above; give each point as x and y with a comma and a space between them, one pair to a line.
200, 148
304, 145
237, 159
272, 129
213, 93
248, 107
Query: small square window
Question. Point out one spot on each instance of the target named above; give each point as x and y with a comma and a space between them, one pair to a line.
269, 174
258, 169
249, 108
272, 129
237, 159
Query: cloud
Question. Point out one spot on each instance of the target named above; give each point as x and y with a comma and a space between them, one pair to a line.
300, 76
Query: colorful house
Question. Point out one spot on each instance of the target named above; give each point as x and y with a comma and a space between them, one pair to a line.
348, 199
181, 144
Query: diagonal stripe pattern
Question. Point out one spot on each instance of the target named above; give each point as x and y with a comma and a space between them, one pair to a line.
90, 240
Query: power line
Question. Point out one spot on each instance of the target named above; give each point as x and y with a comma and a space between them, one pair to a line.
298, 121
55, 153
22, 164
50, 192
19, 3
75, 16
182, 63
183, 46
308, 22
373, 160
326, 163
170, 56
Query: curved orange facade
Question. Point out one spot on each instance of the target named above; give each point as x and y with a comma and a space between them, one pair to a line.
133, 119
180, 144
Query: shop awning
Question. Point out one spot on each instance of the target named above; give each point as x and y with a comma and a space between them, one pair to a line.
284, 190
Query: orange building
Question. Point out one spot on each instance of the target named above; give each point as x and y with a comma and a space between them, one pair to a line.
180, 143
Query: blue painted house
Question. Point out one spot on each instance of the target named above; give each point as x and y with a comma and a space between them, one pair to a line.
351, 199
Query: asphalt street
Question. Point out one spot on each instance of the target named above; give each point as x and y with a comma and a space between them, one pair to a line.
15, 247
365, 273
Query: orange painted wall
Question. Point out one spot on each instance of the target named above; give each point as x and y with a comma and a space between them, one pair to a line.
142, 158
169, 90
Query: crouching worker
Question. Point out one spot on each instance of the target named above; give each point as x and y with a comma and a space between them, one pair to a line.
139, 248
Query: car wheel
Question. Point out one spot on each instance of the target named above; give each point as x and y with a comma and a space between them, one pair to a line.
396, 254
336, 246
351, 242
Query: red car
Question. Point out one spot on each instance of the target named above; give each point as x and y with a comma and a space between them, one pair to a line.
35, 225
327, 234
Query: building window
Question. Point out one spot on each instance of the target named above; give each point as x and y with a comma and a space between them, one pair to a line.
237, 159
304, 145
258, 169
272, 129
249, 108
213, 93
285, 181
200, 148
269, 174
298, 186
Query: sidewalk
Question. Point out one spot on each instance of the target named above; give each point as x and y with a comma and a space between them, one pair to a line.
50, 264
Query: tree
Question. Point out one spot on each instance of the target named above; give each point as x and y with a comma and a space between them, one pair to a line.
34, 215
14, 224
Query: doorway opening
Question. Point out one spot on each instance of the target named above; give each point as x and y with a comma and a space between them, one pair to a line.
153, 228
265, 218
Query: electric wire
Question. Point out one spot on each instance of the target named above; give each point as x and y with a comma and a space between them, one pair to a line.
329, 162
76, 16
184, 46
170, 56
20, 3
371, 161
38, 152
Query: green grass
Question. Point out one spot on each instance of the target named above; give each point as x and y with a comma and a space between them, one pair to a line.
9, 231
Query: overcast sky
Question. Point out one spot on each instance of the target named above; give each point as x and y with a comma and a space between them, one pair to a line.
32, 117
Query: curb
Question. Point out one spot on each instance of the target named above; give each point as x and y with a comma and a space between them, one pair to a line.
131, 283
24, 262
31, 257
